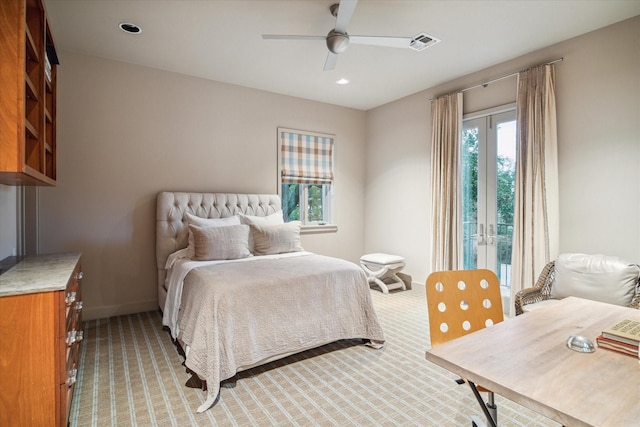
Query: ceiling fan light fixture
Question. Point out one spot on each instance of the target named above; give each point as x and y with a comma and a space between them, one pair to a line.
337, 42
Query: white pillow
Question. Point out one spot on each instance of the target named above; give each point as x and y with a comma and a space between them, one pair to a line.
276, 239
273, 219
218, 243
595, 277
206, 222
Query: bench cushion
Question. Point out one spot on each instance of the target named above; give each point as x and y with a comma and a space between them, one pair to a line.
382, 259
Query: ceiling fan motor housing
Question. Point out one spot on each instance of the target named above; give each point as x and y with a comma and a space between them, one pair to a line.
337, 42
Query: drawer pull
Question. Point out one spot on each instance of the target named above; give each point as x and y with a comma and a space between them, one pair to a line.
79, 305
80, 275
71, 297
72, 336
79, 336
71, 377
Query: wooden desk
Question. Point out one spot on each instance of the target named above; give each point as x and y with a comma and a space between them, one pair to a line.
526, 360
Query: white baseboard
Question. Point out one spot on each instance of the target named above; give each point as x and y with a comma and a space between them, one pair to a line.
118, 310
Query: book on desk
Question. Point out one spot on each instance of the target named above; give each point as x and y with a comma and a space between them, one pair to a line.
623, 337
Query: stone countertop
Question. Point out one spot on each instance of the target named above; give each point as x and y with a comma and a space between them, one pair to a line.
41, 273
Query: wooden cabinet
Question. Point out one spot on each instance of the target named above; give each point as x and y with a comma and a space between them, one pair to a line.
28, 72
40, 337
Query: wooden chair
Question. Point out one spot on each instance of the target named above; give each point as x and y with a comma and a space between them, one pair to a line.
459, 303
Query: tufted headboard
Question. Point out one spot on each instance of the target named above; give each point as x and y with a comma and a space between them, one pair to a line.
172, 233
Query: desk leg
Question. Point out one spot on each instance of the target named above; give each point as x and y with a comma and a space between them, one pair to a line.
492, 419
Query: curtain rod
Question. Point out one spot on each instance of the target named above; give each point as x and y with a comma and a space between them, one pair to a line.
487, 83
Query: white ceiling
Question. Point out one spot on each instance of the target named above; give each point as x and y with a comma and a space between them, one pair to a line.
221, 40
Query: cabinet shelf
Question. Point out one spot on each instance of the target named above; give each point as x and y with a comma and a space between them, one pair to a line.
32, 50
31, 131
28, 102
30, 89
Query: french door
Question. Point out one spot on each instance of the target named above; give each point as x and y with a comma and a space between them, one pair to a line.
488, 191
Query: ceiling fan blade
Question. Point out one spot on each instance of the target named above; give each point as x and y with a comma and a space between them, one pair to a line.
291, 37
401, 42
330, 63
345, 12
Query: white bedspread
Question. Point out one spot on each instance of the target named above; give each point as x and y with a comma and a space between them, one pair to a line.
233, 315
178, 266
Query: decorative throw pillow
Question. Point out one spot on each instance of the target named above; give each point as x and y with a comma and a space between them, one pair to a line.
275, 218
217, 243
276, 239
206, 222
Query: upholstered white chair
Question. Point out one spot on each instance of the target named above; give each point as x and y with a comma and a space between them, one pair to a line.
595, 277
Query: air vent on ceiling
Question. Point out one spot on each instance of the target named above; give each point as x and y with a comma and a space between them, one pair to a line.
422, 41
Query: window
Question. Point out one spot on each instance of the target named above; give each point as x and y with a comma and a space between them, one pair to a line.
305, 164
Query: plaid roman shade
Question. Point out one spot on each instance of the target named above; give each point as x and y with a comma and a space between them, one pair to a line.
306, 158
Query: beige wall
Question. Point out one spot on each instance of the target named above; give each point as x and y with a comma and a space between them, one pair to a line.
597, 92
126, 132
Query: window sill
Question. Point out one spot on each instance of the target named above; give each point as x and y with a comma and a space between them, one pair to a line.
318, 229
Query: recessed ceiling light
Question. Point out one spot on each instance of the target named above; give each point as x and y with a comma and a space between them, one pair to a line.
130, 28
342, 81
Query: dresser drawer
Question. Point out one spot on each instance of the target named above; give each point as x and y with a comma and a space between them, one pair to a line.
71, 333
71, 337
71, 303
73, 300
66, 393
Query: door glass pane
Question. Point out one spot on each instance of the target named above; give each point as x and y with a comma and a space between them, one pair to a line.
469, 159
488, 161
506, 178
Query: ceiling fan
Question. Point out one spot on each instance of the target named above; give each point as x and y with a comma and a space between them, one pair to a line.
338, 40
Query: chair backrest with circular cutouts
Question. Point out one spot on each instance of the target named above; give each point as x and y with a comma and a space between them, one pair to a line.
461, 302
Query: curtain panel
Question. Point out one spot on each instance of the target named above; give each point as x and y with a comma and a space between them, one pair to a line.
536, 216
306, 158
446, 211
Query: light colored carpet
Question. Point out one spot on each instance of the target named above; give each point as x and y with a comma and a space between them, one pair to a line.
131, 375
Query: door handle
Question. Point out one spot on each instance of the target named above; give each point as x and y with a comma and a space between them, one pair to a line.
481, 238
491, 235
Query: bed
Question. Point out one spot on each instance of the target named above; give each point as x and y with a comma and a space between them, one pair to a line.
256, 298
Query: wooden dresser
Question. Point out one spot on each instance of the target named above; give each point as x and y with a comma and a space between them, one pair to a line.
40, 337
